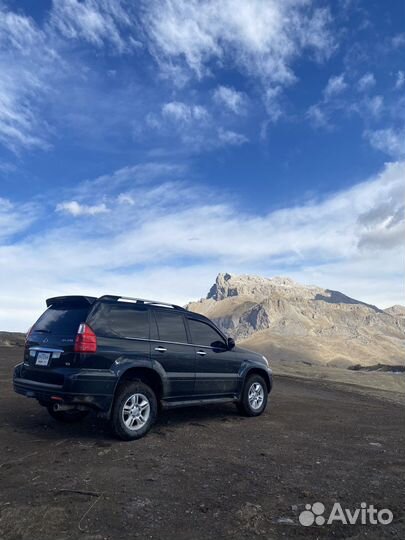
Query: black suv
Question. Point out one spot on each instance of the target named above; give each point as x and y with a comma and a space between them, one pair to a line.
125, 357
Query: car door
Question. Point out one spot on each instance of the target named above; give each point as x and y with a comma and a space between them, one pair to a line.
170, 348
217, 367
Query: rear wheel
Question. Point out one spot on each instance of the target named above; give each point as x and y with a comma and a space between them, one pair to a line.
68, 417
254, 396
134, 411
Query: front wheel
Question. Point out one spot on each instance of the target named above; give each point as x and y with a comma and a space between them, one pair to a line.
254, 396
134, 411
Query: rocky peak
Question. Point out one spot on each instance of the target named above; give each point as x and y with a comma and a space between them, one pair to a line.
396, 311
227, 285
289, 320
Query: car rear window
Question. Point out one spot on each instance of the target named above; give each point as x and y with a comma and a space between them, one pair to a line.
62, 319
171, 326
120, 320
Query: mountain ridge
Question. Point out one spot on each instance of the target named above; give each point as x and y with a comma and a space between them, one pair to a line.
305, 323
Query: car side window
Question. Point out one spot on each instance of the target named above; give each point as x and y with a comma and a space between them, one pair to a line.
121, 320
171, 326
205, 335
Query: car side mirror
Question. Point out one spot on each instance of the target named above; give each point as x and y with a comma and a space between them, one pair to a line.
231, 343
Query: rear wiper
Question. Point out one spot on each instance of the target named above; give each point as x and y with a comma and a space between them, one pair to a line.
43, 331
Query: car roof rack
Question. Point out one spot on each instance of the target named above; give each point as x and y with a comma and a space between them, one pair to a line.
141, 301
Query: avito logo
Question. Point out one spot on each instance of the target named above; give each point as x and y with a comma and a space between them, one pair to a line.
365, 515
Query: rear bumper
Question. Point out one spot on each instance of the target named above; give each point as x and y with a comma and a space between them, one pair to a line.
93, 388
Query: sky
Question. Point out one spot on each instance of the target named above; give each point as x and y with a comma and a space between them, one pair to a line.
146, 146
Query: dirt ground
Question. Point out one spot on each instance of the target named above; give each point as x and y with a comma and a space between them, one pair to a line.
202, 473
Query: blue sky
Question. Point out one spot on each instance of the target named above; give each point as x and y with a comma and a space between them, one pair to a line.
146, 146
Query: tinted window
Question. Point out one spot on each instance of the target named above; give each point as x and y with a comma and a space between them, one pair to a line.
204, 334
61, 319
171, 326
120, 320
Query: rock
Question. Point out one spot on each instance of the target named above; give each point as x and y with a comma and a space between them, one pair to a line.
251, 517
396, 311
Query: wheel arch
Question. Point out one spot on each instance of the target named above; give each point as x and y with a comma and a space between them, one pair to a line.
148, 375
258, 371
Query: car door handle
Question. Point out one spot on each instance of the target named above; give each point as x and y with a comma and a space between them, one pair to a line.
201, 353
160, 349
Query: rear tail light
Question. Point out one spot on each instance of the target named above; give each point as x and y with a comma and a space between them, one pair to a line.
86, 341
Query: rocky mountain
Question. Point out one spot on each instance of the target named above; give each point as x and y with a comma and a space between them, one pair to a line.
293, 323
396, 311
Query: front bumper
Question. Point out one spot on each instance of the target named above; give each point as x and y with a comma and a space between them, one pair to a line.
270, 374
93, 388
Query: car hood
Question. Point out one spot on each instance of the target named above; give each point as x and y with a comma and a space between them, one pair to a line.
252, 355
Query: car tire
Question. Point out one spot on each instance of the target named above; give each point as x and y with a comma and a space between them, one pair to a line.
134, 411
254, 396
67, 417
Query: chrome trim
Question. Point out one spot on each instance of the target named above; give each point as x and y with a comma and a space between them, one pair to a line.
154, 302
141, 301
180, 343
46, 349
94, 373
162, 341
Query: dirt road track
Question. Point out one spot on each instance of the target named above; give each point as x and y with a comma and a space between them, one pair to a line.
202, 473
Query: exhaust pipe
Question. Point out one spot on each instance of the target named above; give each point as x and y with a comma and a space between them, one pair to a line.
63, 407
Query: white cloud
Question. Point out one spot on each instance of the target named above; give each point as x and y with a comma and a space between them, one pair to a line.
389, 140
351, 240
335, 86
272, 102
76, 209
260, 38
320, 114
368, 108
232, 138
317, 115
374, 105
15, 219
232, 99
39, 60
18, 31
183, 113
24, 64
130, 176
37, 66
99, 22
194, 125
398, 40
400, 81
366, 82
124, 198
